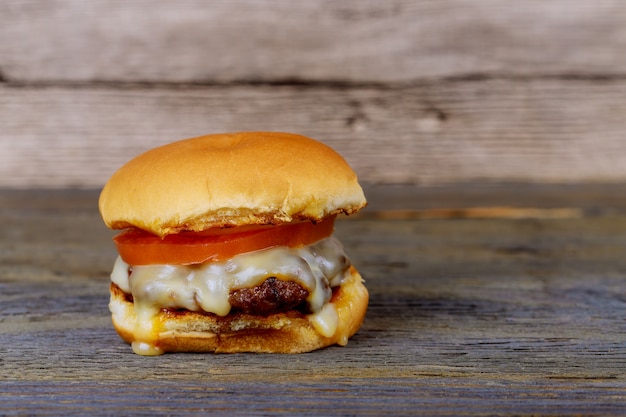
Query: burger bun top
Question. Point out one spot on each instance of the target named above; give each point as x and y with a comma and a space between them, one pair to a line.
230, 179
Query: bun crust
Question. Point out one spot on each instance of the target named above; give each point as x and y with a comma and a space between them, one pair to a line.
230, 179
288, 332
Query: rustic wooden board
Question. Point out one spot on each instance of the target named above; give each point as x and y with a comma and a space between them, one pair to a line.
321, 40
467, 316
494, 130
423, 92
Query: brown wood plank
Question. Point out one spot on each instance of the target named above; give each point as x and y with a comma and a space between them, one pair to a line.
322, 40
500, 130
466, 316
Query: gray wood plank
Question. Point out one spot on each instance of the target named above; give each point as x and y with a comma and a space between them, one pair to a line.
466, 316
322, 40
418, 396
493, 130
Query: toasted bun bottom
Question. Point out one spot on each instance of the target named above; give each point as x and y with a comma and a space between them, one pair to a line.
291, 332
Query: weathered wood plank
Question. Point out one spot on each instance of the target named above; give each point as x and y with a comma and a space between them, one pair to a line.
419, 396
486, 317
541, 130
322, 40
585, 199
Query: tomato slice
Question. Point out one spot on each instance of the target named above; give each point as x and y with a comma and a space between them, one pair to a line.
137, 247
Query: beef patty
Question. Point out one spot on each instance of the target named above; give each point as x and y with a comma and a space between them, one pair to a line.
272, 296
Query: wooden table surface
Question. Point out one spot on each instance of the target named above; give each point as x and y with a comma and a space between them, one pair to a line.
472, 311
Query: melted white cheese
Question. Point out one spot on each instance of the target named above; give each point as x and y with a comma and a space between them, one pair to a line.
206, 287
325, 321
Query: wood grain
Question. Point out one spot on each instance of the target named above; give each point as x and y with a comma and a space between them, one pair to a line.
426, 92
498, 130
322, 40
466, 316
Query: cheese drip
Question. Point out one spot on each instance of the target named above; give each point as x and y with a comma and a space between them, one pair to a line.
206, 287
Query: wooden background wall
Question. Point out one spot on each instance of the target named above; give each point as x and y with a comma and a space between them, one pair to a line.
409, 91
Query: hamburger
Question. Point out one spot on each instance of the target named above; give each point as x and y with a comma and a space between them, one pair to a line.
226, 245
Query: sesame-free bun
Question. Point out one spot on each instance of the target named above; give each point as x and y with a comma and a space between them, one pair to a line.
230, 179
290, 332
